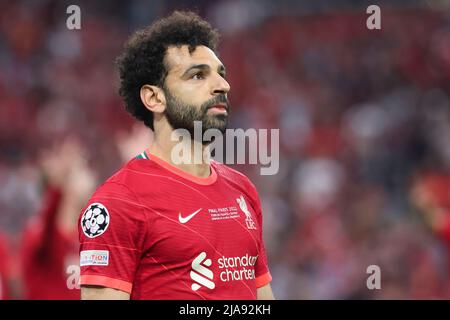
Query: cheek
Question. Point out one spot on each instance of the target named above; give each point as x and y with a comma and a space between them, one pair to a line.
193, 94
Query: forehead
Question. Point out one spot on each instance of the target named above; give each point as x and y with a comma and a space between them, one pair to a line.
178, 59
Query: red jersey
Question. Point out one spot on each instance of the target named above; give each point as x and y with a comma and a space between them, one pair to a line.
5, 268
48, 254
157, 232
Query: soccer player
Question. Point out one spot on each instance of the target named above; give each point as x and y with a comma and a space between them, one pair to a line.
161, 230
49, 249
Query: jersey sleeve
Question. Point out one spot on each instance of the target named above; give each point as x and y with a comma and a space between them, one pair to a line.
262, 272
112, 229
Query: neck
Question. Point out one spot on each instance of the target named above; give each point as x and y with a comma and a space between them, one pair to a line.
194, 155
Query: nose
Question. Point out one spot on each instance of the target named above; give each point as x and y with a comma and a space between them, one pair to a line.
221, 85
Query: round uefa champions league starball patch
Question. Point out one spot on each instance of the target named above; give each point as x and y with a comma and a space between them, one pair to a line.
95, 220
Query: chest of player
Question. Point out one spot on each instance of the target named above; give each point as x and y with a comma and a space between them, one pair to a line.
189, 221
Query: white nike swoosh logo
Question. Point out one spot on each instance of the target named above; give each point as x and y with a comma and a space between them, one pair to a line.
189, 217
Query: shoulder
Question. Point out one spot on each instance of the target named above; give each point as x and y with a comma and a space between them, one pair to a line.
117, 195
126, 180
112, 206
229, 173
238, 179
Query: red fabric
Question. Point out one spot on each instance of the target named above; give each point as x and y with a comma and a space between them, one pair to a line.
5, 268
46, 254
444, 231
437, 186
150, 252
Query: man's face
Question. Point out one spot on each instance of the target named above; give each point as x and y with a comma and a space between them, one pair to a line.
195, 89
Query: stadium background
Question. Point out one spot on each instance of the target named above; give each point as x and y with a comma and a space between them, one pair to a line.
364, 119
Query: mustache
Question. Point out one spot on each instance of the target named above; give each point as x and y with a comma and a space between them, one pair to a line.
220, 99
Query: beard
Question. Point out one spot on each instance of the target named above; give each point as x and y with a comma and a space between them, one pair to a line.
182, 115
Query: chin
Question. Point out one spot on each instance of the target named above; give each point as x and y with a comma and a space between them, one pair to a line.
218, 122
221, 127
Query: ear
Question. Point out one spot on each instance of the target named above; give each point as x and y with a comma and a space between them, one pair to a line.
153, 98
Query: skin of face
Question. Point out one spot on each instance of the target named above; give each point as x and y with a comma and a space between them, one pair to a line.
194, 84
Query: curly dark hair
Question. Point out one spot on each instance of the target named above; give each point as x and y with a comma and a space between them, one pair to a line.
142, 61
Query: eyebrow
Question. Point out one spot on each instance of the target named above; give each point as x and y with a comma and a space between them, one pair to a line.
204, 67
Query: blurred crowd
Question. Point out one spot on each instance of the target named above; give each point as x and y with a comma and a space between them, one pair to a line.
364, 119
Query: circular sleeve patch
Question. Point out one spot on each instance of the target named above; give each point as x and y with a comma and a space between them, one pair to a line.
95, 220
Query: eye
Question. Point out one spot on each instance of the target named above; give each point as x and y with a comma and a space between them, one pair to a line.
198, 76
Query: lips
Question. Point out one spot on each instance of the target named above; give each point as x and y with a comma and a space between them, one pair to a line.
219, 107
